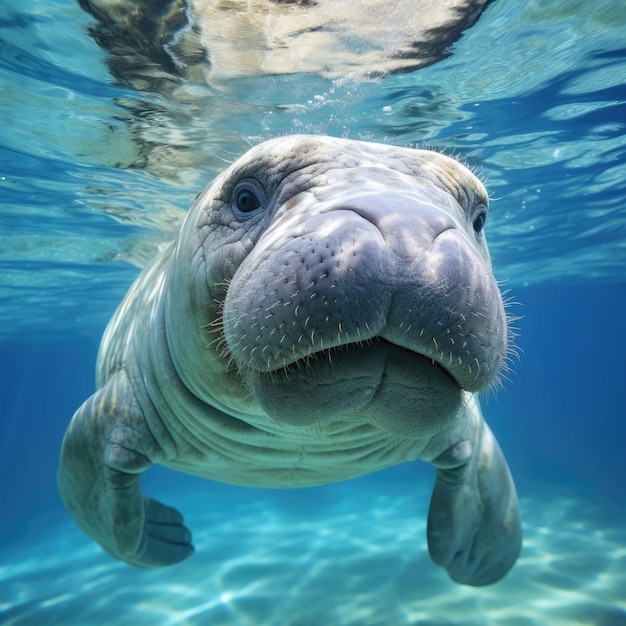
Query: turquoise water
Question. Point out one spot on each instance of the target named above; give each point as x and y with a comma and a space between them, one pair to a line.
533, 95
96, 176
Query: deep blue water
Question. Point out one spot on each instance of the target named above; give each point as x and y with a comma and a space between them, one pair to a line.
534, 96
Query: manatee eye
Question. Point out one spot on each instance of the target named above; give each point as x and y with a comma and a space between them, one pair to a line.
247, 197
479, 221
246, 201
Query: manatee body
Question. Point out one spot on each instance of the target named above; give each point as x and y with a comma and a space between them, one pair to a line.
327, 310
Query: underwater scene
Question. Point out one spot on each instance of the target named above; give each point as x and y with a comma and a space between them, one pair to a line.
115, 116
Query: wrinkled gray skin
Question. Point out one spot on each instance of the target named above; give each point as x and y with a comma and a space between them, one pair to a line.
328, 310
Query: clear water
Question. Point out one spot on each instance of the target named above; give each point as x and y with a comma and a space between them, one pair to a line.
534, 96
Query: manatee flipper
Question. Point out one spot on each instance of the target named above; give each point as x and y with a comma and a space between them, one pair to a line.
105, 448
474, 529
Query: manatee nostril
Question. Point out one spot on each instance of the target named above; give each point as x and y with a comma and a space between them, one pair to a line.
441, 232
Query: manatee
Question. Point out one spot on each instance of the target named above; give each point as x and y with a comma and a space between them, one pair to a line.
327, 310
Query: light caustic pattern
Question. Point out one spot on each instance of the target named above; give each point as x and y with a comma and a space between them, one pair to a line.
362, 561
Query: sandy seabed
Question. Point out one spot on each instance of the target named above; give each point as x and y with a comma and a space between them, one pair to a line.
361, 560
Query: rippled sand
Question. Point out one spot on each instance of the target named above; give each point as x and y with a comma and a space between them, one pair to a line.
359, 560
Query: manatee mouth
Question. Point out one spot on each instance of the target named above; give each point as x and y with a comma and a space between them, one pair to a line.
376, 382
423, 360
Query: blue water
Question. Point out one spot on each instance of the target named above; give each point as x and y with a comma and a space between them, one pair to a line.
95, 177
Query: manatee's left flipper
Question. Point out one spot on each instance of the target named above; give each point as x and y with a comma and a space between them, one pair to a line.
474, 528
105, 448
147, 533
165, 538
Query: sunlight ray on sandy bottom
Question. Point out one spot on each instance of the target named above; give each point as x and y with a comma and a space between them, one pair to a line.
362, 561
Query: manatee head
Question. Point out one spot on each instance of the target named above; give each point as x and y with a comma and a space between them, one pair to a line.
319, 280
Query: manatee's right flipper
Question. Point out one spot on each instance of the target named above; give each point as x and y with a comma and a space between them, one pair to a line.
106, 446
474, 528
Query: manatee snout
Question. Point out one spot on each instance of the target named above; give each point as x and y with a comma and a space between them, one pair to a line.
363, 298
